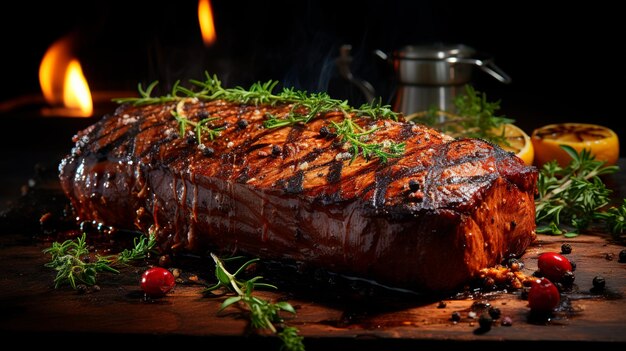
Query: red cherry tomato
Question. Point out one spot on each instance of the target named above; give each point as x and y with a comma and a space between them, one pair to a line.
157, 281
543, 295
553, 265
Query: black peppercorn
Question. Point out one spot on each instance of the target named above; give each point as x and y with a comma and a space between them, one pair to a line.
456, 317
191, 140
324, 132
242, 123
276, 150
485, 321
599, 282
82, 288
203, 114
568, 278
208, 151
494, 312
622, 256
566, 249
441, 304
414, 185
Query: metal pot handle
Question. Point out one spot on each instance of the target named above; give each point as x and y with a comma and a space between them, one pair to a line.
488, 66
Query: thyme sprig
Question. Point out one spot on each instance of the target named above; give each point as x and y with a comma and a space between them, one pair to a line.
475, 117
575, 195
304, 108
74, 264
354, 134
142, 248
263, 313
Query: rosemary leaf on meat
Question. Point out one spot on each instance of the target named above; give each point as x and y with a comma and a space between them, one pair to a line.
263, 314
74, 263
303, 103
304, 107
575, 196
356, 136
475, 117
200, 127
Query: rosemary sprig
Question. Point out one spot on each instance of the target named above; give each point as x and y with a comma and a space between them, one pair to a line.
574, 195
614, 218
355, 135
142, 247
200, 127
263, 313
73, 263
68, 259
475, 117
304, 108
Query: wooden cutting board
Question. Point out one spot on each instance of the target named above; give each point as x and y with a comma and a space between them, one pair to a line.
32, 311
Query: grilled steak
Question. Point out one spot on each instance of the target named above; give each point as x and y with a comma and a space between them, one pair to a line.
429, 220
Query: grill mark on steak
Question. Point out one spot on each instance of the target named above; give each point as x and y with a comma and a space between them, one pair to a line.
334, 172
305, 204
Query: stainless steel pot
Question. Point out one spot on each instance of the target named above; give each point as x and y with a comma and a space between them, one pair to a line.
431, 76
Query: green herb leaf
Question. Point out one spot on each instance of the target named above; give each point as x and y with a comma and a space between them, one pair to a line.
475, 117
263, 313
575, 196
304, 108
74, 264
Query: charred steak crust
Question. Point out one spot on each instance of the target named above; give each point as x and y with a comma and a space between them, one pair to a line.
429, 220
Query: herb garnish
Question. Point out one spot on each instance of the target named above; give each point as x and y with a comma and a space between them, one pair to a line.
355, 135
263, 313
576, 196
304, 108
73, 263
475, 117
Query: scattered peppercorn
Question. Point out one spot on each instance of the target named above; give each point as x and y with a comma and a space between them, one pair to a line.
622, 256
203, 114
599, 283
242, 123
455, 317
609, 256
81, 288
566, 249
494, 312
506, 321
324, 132
276, 150
191, 140
441, 304
414, 185
568, 278
208, 151
485, 321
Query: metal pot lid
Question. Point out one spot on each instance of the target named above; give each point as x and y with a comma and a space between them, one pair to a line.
434, 51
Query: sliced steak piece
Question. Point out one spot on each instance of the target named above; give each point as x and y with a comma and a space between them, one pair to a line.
429, 220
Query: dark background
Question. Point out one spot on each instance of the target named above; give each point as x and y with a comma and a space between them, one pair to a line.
566, 61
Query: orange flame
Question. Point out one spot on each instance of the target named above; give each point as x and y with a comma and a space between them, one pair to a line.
62, 80
207, 27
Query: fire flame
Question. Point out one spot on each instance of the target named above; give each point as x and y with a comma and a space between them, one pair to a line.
207, 27
62, 80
